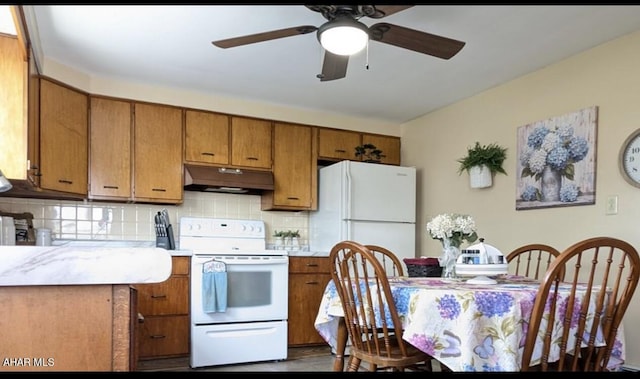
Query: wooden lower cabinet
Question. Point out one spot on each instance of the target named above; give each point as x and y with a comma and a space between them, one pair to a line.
308, 277
164, 336
164, 330
66, 328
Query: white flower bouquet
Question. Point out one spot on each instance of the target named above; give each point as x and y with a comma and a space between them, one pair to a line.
453, 227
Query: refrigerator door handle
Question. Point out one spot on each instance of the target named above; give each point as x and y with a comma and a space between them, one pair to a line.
347, 193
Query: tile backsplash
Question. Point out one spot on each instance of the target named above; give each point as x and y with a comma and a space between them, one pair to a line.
95, 220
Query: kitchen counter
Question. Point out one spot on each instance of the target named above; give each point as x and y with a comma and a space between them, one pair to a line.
118, 243
300, 253
85, 265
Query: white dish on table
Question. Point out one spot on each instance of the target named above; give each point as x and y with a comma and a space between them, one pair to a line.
481, 273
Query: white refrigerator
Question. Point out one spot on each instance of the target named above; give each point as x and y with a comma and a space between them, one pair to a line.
368, 203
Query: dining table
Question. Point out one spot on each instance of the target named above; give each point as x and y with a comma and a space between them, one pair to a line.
465, 326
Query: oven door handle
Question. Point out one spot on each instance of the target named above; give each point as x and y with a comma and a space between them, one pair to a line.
242, 261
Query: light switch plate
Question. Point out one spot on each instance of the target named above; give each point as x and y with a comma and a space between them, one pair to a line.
612, 205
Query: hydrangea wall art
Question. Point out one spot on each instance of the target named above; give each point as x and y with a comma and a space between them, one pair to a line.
556, 162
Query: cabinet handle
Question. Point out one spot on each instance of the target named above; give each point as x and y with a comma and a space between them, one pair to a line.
158, 336
311, 282
312, 265
65, 181
158, 296
110, 187
340, 151
293, 198
159, 189
252, 158
209, 154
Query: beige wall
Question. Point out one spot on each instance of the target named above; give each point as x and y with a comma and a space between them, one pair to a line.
607, 76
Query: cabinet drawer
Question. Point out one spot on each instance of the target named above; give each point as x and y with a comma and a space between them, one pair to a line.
309, 264
164, 336
180, 265
166, 298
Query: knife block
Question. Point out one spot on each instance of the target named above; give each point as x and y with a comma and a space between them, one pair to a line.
164, 237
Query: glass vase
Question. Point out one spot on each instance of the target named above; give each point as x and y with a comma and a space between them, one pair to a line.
450, 254
550, 184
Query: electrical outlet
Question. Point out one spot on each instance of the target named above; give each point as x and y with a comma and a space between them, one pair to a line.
612, 205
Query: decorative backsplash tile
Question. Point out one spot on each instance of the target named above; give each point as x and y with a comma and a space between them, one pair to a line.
94, 220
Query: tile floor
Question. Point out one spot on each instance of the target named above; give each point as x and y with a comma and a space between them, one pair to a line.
314, 359
311, 359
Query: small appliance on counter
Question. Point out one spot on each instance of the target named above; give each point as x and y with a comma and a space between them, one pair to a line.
164, 231
490, 263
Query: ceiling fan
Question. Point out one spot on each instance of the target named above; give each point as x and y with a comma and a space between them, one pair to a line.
345, 17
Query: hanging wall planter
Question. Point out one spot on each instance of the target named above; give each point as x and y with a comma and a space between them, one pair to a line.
480, 176
482, 162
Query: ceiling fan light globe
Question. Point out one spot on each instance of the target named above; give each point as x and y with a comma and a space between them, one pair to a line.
343, 38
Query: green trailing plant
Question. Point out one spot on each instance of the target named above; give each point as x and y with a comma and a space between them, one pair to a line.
279, 233
369, 152
492, 155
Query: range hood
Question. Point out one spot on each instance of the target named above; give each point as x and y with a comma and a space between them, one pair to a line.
226, 180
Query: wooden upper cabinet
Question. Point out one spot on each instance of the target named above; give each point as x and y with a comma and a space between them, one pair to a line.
206, 137
251, 142
294, 169
157, 153
389, 145
63, 138
110, 149
337, 145
13, 127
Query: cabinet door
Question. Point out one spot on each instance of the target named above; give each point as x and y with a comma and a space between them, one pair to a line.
110, 149
158, 153
162, 337
63, 138
294, 168
206, 137
170, 297
336, 144
13, 144
308, 277
250, 142
389, 145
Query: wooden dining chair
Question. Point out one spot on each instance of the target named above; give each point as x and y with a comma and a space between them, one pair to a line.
370, 313
532, 260
601, 275
389, 261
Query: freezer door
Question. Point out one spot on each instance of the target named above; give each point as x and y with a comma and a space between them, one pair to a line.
379, 192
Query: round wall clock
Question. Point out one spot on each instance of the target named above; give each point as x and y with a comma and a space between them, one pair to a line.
630, 159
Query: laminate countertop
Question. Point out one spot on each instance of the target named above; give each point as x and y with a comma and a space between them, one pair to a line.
82, 265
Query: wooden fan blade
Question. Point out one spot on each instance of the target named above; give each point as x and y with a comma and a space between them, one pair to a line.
415, 40
334, 67
266, 36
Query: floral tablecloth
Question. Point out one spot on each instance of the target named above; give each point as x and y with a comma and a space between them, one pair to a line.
468, 327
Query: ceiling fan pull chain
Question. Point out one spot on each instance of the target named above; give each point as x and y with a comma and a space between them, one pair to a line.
367, 57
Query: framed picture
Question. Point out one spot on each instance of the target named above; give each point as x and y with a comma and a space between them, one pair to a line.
556, 162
